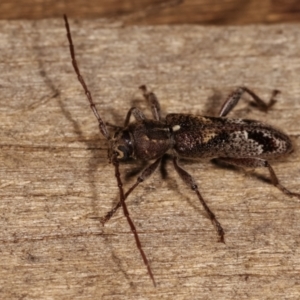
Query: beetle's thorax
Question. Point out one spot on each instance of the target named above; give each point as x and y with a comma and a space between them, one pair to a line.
144, 140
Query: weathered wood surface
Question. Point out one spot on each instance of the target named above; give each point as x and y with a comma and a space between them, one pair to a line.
56, 182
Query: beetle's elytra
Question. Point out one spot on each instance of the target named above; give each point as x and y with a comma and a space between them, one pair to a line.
239, 142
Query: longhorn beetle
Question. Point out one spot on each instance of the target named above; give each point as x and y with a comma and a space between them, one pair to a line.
238, 142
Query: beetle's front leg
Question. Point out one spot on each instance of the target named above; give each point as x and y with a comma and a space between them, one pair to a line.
257, 163
146, 173
234, 98
153, 101
138, 114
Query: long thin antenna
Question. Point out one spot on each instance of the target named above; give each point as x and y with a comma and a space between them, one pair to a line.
102, 125
113, 158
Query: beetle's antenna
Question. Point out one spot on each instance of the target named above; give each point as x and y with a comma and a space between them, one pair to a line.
102, 125
113, 158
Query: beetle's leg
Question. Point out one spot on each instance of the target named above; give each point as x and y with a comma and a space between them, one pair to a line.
154, 104
146, 173
137, 113
135, 171
234, 98
115, 127
257, 163
189, 180
153, 101
163, 164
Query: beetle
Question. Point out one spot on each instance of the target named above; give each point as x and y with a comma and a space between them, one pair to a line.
238, 142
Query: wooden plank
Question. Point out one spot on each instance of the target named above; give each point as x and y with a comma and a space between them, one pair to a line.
56, 181
153, 12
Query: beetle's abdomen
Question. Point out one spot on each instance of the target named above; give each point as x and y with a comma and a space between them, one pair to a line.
209, 137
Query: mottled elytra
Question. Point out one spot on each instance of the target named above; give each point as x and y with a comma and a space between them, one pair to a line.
239, 142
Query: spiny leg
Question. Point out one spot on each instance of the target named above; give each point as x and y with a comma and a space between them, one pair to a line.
146, 173
234, 98
189, 181
153, 101
257, 163
102, 125
130, 222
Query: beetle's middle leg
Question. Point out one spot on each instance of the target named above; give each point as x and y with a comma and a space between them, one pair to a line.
189, 180
234, 98
257, 163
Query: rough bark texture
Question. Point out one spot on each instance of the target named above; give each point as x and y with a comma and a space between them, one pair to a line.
56, 181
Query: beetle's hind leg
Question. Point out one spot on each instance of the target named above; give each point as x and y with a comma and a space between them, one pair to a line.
235, 97
258, 163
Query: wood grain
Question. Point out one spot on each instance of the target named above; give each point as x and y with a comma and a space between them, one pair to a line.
56, 181
153, 12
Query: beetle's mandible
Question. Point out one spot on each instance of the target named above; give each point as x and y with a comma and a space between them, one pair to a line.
239, 142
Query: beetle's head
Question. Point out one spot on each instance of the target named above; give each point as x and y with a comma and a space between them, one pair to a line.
121, 145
